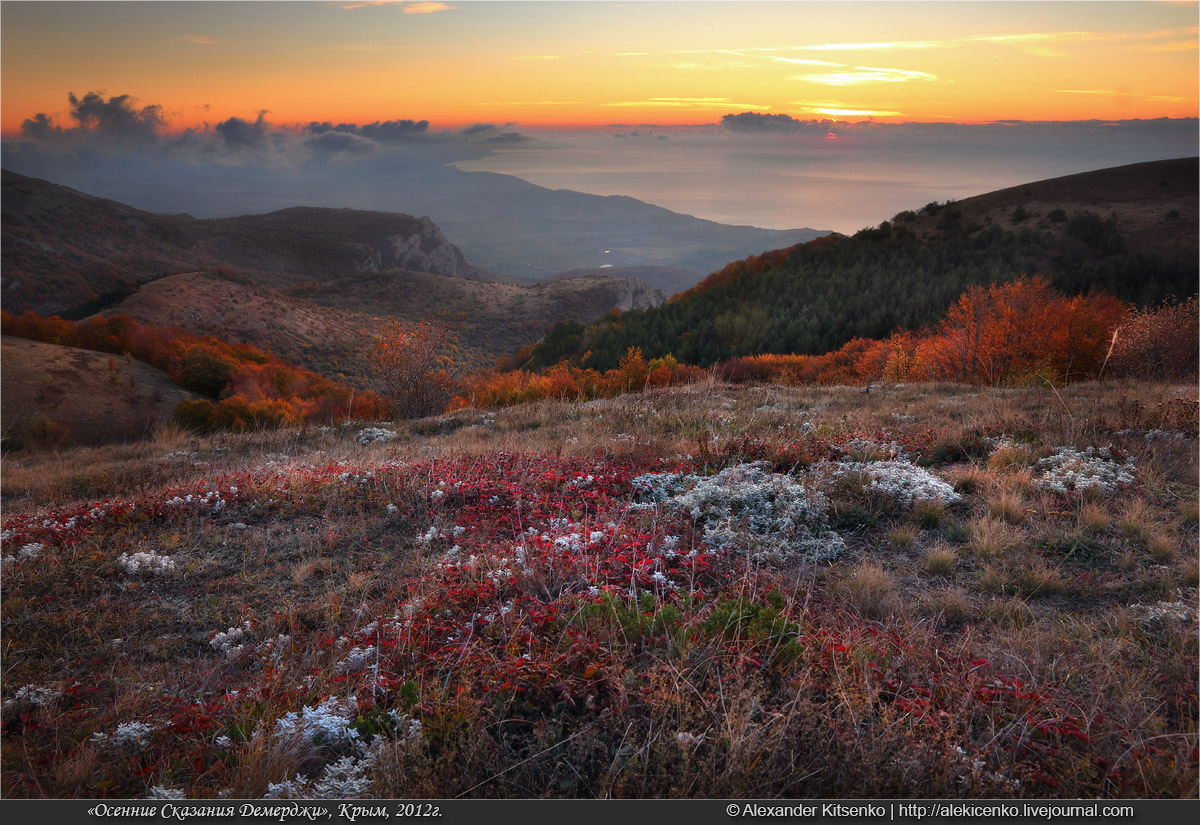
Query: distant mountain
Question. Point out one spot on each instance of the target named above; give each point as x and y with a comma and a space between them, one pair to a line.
62, 248
510, 226
1129, 231
504, 225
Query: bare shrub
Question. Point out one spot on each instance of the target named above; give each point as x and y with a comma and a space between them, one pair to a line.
1161, 341
414, 365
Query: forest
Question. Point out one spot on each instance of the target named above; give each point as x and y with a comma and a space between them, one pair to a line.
815, 297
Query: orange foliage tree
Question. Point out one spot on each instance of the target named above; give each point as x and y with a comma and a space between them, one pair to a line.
1017, 330
414, 364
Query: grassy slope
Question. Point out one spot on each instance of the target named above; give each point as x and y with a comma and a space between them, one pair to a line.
328, 326
1142, 196
1025, 627
55, 395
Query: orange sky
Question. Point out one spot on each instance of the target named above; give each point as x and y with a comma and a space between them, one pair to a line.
590, 63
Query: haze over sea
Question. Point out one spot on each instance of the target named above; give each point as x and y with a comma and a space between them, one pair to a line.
843, 177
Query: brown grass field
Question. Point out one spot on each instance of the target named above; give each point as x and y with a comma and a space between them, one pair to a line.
492, 604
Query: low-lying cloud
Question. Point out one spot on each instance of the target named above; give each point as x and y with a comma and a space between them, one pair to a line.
115, 125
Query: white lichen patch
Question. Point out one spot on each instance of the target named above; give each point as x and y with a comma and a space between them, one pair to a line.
329, 723
128, 734
900, 480
370, 435
1073, 470
146, 563
744, 508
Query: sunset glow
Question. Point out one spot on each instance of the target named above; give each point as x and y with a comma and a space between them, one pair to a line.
585, 64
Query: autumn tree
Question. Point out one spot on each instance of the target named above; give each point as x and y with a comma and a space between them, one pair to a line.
1160, 341
414, 364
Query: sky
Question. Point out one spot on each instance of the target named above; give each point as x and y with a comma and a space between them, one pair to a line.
545, 64
774, 114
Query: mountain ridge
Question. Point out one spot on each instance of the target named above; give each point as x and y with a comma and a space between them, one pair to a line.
64, 247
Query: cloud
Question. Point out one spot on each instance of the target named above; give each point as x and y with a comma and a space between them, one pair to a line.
539, 57
685, 102
1173, 46
877, 46
403, 5
118, 117
639, 134
842, 111
316, 128
757, 122
198, 39
335, 142
40, 127
239, 134
803, 61
865, 74
394, 131
1091, 92
491, 133
426, 8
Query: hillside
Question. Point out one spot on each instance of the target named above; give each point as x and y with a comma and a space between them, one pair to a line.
327, 325
323, 339
1103, 232
670, 279
1155, 205
54, 396
62, 248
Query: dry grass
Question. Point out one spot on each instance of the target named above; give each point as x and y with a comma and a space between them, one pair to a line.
1163, 546
871, 591
1010, 458
969, 479
1093, 517
903, 537
941, 560
766, 687
1137, 520
1010, 613
1007, 507
992, 538
951, 605
928, 513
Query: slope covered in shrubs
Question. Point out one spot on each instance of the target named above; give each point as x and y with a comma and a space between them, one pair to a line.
1015, 332
244, 387
815, 297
